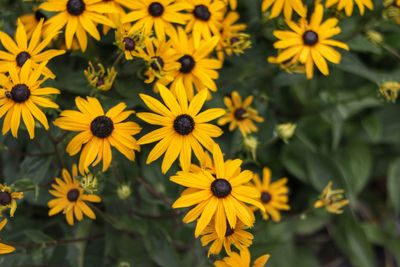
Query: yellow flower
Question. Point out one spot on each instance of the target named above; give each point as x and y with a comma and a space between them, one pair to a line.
242, 260
332, 200
285, 131
240, 115
205, 163
99, 132
5, 249
23, 49
310, 43
116, 17
274, 196
390, 90
161, 60
20, 96
70, 198
348, 5
160, 16
287, 6
184, 127
232, 41
237, 236
78, 17
31, 21
221, 196
8, 199
196, 68
100, 78
205, 19
130, 41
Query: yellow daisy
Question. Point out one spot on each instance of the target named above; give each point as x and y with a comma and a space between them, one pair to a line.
22, 49
31, 21
4, 248
78, 17
233, 40
274, 195
310, 43
99, 132
70, 198
238, 237
205, 19
240, 115
130, 41
159, 16
8, 199
287, 6
161, 60
184, 127
221, 196
21, 94
332, 200
348, 5
242, 260
197, 69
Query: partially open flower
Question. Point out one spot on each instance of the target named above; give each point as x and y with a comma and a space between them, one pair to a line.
100, 77
8, 199
390, 90
332, 200
285, 131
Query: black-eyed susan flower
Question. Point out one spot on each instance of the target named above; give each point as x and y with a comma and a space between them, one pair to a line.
285, 6
21, 95
8, 199
98, 132
237, 237
78, 17
222, 195
4, 248
348, 5
100, 78
70, 198
22, 49
233, 40
197, 69
240, 114
332, 200
205, 19
242, 260
310, 43
158, 16
31, 21
273, 195
184, 127
131, 42
161, 60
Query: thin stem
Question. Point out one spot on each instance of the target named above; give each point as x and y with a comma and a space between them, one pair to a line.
154, 192
58, 242
118, 59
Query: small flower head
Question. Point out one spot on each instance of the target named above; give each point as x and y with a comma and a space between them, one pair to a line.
250, 144
100, 77
242, 260
391, 11
285, 131
8, 199
374, 37
390, 90
89, 183
124, 191
332, 200
130, 41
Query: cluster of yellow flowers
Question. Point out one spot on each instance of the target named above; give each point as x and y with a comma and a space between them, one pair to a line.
190, 41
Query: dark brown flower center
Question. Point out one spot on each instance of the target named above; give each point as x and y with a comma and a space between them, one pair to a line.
156, 9
229, 230
20, 93
129, 44
100, 81
73, 195
102, 126
184, 124
239, 114
187, 64
39, 15
201, 12
5, 198
75, 7
310, 38
22, 58
157, 63
221, 188
234, 40
265, 197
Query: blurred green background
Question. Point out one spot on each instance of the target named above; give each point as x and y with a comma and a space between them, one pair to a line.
347, 132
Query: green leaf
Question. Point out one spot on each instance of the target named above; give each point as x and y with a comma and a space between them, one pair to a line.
393, 184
